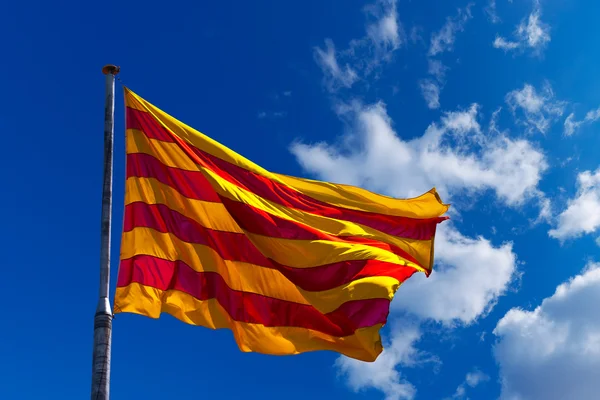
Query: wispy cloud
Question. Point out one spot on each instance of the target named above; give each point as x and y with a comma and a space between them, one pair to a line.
443, 40
536, 110
385, 31
335, 76
437, 69
431, 93
472, 380
571, 125
492, 12
493, 125
531, 33
383, 35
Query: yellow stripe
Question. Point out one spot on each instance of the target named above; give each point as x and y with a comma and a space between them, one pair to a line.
311, 253
364, 344
209, 214
171, 155
252, 278
427, 205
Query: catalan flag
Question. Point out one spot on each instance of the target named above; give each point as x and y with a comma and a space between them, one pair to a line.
288, 264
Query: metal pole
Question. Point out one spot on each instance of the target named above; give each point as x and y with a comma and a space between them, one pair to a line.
103, 317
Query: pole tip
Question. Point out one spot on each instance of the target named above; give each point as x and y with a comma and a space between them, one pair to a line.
110, 69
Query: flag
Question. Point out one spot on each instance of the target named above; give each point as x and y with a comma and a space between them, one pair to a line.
288, 264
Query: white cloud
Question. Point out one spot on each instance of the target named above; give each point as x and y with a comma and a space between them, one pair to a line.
545, 209
473, 379
431, 93
335, 76
582, 214
385, 32
553, 352
501, 43
443, 40
527, 99
531, 34
535, 33
540, 109
571, 125
375, 155
476, 377
383, 374
598, 241
459, 291
462, 122
593, 115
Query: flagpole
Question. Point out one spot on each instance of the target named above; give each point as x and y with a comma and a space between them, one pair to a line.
103, 316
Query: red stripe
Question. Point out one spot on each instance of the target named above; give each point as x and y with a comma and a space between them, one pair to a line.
191, 184
257, 221
237, 247
420, 229
329, 276
251, 307
142, 121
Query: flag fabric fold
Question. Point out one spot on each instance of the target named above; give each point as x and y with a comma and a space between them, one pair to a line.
288, 264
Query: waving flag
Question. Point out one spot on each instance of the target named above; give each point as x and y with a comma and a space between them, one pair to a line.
288, 264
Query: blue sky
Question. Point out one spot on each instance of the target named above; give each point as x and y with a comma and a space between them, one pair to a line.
496, 103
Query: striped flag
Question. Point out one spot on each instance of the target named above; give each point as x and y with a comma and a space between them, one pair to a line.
288, 264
